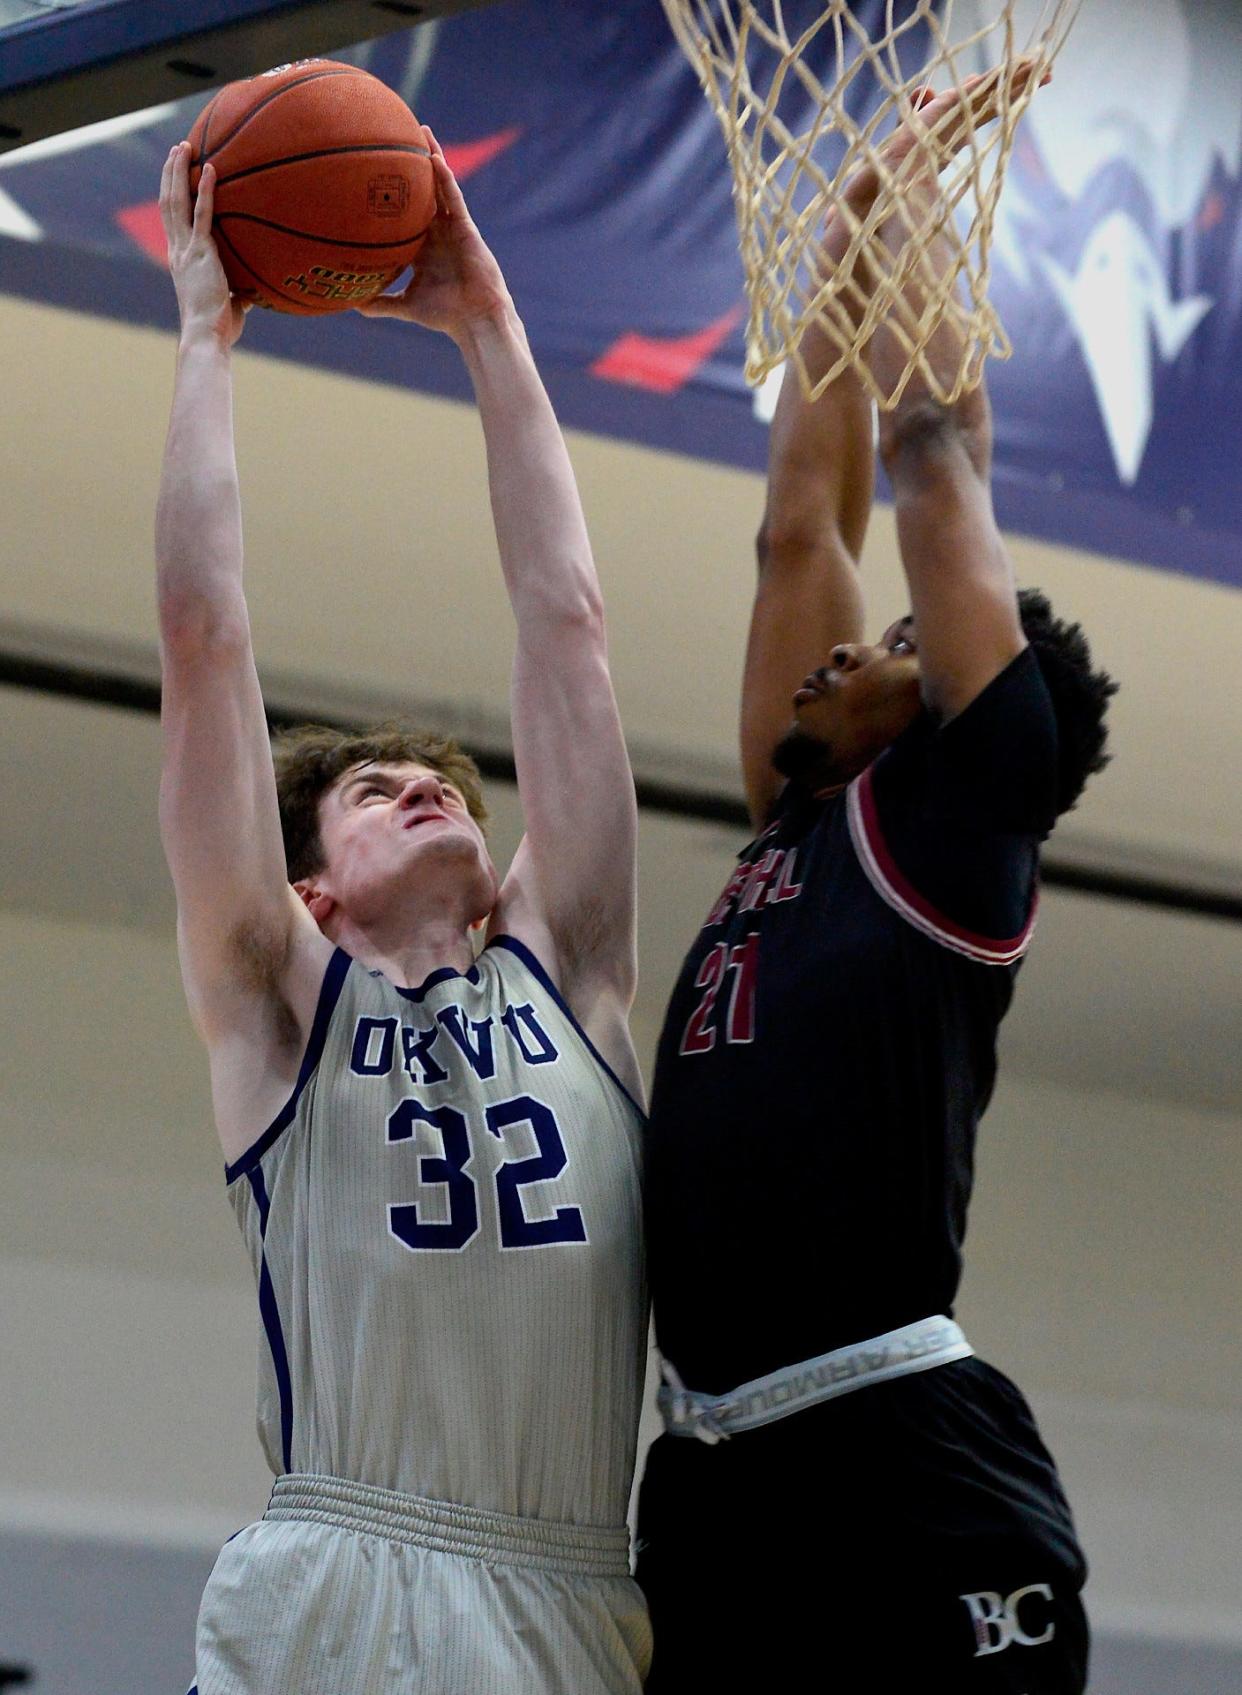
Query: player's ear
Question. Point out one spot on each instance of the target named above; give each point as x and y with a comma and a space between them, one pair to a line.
319, 904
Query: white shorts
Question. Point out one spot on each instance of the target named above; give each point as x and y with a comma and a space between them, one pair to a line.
344, 1589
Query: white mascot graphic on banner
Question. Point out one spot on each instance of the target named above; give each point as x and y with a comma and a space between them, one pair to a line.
1163, 97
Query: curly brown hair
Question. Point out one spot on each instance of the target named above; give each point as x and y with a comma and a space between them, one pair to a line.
310, 757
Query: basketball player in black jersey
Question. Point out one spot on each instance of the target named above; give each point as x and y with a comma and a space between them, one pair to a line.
874, 1511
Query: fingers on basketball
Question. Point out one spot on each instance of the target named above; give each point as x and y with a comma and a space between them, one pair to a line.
387, 305
166, 190
205, 202
450, 201
381, 306
174, 192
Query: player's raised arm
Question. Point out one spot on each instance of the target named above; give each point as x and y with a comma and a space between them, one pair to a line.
237, 916
808, 596
938, 457
573, 879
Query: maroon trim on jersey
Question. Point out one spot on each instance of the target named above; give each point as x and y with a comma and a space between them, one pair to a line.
893, 888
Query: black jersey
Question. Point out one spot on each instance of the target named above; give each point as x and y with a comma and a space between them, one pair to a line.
830, 1046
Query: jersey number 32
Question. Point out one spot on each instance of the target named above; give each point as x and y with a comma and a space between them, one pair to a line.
450, 1172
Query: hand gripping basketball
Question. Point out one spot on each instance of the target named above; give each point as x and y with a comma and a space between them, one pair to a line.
456, 279
202, 289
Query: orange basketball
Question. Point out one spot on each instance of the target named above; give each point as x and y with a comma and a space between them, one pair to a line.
324, 185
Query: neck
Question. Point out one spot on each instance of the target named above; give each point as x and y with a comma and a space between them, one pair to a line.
832, 774
408, 959
822, 778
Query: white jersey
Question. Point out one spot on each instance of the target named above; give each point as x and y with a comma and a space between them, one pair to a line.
444, 1222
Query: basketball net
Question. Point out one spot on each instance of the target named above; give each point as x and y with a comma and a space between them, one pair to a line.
935, 270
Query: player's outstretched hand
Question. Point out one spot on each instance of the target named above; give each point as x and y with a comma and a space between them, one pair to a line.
456, 281
202, 288
937, 129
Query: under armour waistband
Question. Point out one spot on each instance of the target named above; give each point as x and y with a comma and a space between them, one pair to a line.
712, 1418
447, 1528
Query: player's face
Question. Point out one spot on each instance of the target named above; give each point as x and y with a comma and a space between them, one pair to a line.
385, 827
849, 710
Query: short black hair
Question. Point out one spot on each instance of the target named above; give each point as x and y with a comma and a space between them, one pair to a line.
1080, 695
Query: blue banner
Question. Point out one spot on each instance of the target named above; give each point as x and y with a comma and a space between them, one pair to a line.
597, 171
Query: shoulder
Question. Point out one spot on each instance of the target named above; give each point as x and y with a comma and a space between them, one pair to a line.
947, 823
261, 985
990, 768
597, 1015
974, 894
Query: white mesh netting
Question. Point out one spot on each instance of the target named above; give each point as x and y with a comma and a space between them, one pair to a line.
796, 135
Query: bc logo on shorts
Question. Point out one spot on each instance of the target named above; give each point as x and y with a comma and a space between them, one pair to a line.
997, 1623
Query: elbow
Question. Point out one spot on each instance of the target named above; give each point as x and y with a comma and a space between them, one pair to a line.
577, 617
764, 547
784, 541
193, 625
923, 440
788, 547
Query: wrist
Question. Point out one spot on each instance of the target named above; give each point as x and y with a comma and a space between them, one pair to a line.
204, 334
498, 323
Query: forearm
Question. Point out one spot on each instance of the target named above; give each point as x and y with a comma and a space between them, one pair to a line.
938, 460
821, 467
958, 571
545, 551
809, 596
198, 533
929, 448
921, 437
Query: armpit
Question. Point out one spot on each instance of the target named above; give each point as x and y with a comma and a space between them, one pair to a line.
584, 936
260, 955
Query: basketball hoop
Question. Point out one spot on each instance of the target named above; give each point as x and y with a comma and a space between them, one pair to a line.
785, 125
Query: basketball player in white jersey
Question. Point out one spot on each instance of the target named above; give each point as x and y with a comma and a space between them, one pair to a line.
433, 1156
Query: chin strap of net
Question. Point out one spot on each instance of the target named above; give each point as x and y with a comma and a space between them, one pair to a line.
917, 260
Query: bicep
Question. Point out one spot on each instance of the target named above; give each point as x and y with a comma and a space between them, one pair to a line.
821, 476
219, 818
808, 599
576, 867
958, 569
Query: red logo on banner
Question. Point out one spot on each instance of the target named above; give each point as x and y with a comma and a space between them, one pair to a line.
142, 225
467, 157
662, 366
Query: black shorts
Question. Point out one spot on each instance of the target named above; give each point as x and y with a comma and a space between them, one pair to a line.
910, 1537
